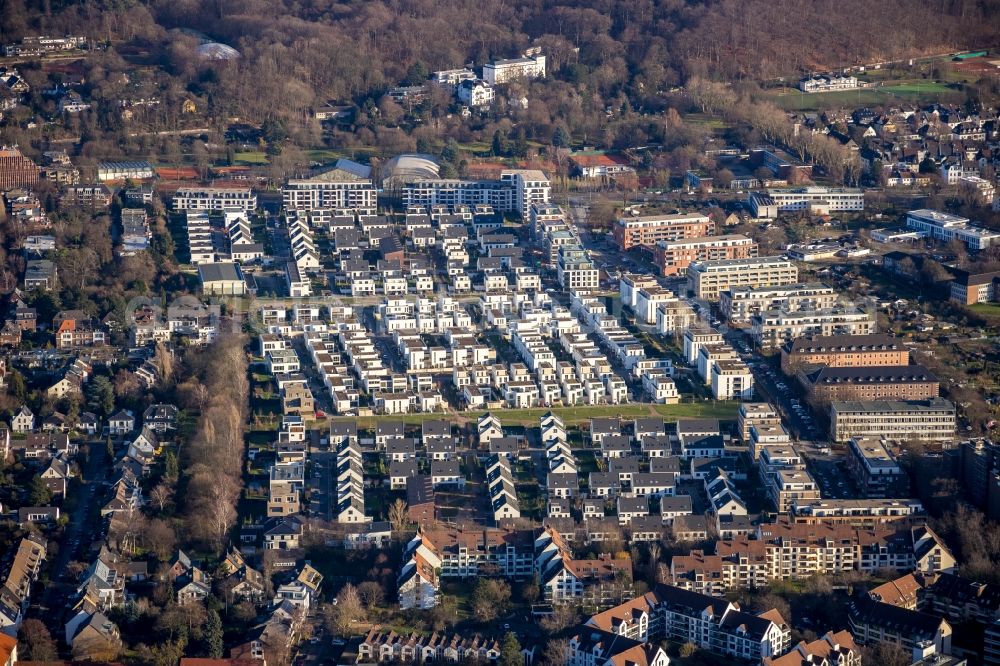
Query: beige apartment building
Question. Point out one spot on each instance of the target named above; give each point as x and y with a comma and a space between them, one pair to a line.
708, 279
775, 328
755, 414
741, 303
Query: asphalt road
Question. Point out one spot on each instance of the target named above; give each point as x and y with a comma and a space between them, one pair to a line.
79, 533
783, 392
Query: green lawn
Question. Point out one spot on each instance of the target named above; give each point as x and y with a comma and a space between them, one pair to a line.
988, 310
251, 157
323, 156
910, 91
572, 415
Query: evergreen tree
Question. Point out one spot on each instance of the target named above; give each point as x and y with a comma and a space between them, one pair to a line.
39, 494
213, 635
499, 146
510, 651
560, 138
170, 467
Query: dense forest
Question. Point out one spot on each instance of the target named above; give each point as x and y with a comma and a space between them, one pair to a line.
299, 53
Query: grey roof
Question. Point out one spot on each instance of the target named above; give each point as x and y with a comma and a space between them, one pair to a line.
219, 272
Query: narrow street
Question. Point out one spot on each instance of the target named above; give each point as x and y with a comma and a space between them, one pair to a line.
79, 533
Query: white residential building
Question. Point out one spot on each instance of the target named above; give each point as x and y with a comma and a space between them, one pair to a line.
337, 190
945, 227
214, 198
505, 71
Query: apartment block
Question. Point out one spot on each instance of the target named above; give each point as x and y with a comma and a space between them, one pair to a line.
215, 198
648, 230
669, 612
932, 419
694, 340
732, 380
899, 382
756, 414
775, 328
673, 257
843, 351
875, 470
337, 190
867, 513
818, 199
514, 192
708, 279
739, 304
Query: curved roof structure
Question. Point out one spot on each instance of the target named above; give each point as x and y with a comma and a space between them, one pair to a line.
409, 167
217, 51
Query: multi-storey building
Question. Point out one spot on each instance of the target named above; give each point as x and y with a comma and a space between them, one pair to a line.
545, 216
971, 288
694, 340
714, 624
731, 380
833, 648
932, 419
822, 199
775, 328
338, 190
673, 257
827, 82
708, 279
787, 550
875, 470
785, 487
648, 230
945, 227
843, 351
215, 198
741, 303
575, 269
756, 414
856, 512
872, 622
86, 196
514, 192
899, 382
514, 69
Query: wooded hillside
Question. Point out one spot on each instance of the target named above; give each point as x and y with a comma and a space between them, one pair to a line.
298, 53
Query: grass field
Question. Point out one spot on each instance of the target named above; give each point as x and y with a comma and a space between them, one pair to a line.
909, 91
323, 156
250, 158
571, 415
988, 310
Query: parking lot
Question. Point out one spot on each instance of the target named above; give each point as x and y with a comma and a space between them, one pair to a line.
771, 384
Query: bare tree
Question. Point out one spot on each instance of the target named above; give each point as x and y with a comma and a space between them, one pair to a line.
161, 495
371, 594
398, 516
345, 612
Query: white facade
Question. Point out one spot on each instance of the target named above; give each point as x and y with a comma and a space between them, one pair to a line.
832, 199
945, 227
214, 198
336, 190
505, 71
